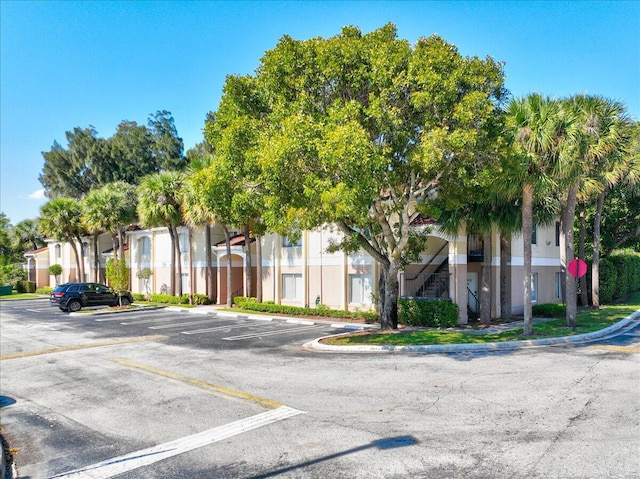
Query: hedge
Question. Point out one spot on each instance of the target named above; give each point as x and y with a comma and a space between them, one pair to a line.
168, 299
24, 286
252, 304
550, 310
428, 313
619, 276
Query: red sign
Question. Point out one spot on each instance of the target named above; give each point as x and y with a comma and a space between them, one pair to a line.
577, 268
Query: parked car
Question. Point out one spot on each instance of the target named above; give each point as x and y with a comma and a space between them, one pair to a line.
75, 296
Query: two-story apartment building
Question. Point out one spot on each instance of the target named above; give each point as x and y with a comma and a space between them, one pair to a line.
305, 273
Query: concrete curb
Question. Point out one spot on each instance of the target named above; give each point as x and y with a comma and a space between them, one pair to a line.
316, 345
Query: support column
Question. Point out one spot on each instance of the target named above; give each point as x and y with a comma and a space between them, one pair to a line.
458, 277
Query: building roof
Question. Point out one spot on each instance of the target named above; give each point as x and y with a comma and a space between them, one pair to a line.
237, 240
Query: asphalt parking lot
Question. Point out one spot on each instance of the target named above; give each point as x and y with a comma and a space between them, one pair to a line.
89, 398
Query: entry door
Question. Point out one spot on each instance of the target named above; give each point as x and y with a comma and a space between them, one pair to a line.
472, 293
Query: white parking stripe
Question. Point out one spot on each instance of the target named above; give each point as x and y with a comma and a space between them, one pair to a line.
270, 333
217, 328
188, 323
145, 457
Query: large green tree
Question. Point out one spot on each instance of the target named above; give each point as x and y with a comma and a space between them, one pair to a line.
75, 170
360, 131
207, 198
233, 132
89, 161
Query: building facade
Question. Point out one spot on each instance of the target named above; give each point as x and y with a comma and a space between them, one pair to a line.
303, 272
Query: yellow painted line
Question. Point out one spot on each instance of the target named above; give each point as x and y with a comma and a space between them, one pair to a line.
619, 349
99, 344
202, 384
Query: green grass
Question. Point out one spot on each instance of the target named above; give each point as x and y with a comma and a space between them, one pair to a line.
23, 296
588, 322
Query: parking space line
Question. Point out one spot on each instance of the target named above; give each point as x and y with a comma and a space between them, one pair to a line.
201, 384
134, 460
99, 344
188, 323
270, 333
217, 328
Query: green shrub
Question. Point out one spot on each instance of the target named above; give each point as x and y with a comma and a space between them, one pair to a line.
608, 280
44, 290
24, 286
251, 304
138, 296
619, 275
238, 300
550, 310
428, 313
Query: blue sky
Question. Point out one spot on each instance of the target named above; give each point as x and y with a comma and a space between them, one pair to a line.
68, 64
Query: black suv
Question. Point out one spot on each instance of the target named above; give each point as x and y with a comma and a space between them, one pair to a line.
74, 296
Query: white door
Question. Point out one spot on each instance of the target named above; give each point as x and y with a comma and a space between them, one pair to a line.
472, 291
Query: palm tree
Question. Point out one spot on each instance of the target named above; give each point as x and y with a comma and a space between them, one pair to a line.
594, 159
606, 157
61, 219
159, 204
110, 208
208, 198
535, 124
194, 208
25, 236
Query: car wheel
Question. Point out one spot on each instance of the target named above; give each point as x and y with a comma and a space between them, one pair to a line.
125, 301
74, 306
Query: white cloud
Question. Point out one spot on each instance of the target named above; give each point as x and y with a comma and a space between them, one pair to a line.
37, 195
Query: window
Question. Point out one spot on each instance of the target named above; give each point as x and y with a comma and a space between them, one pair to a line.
557, 233
534, 234
145, 246
534, 287
360, 288
291, 286
85, 250
558, 285
183, 240
58, 251
290, 243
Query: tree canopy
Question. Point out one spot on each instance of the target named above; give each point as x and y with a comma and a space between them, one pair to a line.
89, 161
358, 130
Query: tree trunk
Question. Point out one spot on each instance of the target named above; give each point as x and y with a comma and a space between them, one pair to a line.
570, 281
595, 267
485, 280
121, 242
584, 297
527, 229
505, 277
74, 247
563, 258
81, 262
227, 242
172, 282
259, 268
178, 256
389, 311
248, 263
96, 259
207, 242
